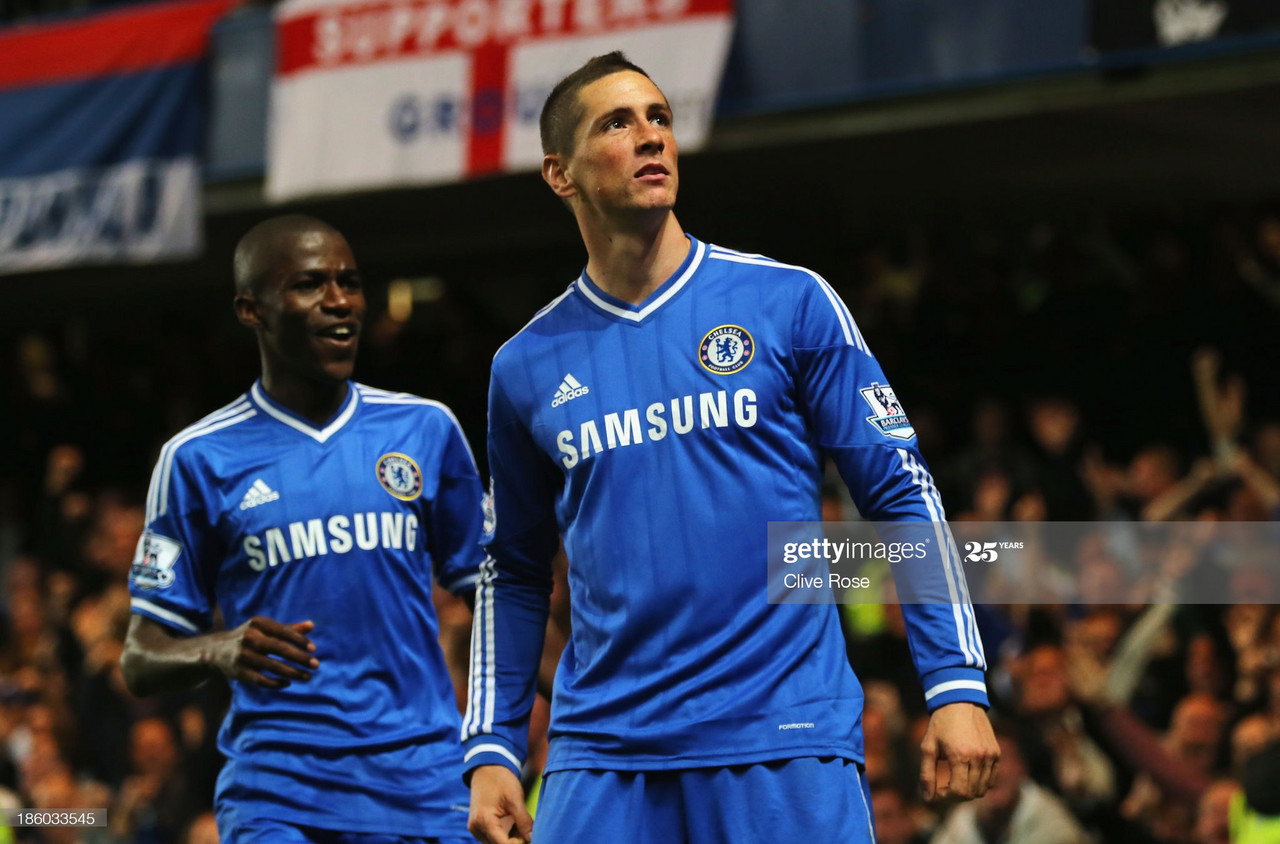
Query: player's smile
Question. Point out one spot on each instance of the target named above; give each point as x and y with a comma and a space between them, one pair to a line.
314, 315
342, 335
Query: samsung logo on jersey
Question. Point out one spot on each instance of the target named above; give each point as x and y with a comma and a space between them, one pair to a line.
339, 535
706, 410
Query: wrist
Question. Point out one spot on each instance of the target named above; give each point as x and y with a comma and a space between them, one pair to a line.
211, 653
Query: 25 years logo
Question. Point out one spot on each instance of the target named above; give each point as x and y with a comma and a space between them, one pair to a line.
985, 552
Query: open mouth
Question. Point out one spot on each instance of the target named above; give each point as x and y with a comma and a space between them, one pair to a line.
340, 334
652, 172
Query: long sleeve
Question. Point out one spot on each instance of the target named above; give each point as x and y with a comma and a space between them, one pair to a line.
513, 595
859, 422
169, 581
456, 515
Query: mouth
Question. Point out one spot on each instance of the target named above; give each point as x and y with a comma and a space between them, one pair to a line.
652, 173
340, 334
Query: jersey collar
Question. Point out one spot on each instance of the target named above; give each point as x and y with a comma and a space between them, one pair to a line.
619, 309
282, 414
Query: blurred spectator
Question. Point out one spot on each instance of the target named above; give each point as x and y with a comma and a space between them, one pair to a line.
203, 830
1193, 739
894, 821
1248, 738
1255, 809
1015, 811
1152, 472
1063, 755
153, 806
1055, 430
1266, 448
1213, 814
992, 452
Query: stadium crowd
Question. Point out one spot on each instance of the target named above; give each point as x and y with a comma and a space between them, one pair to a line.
1105, 372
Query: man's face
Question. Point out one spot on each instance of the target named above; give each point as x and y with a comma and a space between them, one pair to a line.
311, 305
624, 152
997, 806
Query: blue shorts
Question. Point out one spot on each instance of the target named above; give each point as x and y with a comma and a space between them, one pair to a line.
279, 832
791, 801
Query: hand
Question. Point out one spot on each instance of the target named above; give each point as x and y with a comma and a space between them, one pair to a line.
1205, 362
242, 654
1086, 675
497, 807
960, 754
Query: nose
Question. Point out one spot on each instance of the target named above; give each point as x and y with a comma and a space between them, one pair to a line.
336, 298
649, 138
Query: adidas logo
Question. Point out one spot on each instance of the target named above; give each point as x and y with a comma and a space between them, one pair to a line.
259, 493
569, 389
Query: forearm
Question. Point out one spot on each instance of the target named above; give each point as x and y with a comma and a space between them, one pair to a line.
1139, 745
510, 625
1170, 503
154, 661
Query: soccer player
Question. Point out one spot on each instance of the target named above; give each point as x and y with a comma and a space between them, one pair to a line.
659, 413
313, 512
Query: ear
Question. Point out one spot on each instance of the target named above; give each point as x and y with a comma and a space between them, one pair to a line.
555, 172
246, 308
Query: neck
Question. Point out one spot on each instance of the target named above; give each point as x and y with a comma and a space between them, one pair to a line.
315, 401
631, 263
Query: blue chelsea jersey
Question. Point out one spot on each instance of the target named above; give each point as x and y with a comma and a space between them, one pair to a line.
256, 511
660, 440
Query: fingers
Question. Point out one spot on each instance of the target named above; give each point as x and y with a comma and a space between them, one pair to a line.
492, 828
293, 636
487, 829
988, 777
524, 823
498, 814
248, 675
928, 771
959, 785
271, 637
251, 648
263, 664
959, 754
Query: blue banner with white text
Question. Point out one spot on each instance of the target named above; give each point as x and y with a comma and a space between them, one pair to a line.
100, 142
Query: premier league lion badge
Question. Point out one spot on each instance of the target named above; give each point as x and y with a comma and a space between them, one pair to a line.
153, 561
887, 416
400, 476
726, 349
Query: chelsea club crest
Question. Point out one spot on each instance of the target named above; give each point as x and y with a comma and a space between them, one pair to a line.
400, 476
726, 349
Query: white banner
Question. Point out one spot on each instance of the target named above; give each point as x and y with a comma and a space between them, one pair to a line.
409, 92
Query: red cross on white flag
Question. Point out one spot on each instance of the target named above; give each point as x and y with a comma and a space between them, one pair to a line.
386, 93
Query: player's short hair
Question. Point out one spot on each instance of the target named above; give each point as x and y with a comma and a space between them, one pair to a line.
562, 111
256, 249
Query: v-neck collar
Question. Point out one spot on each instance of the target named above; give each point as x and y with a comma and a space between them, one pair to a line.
286, 416
618, 309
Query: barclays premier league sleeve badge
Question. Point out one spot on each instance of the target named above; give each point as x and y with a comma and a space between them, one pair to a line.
887, 416
153, 561
490, 514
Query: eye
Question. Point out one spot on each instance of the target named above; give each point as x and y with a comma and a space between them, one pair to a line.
615, 123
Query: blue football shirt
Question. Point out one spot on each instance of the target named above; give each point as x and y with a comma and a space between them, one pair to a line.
258, 512
660, 440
